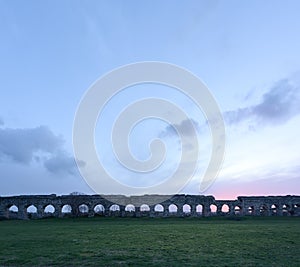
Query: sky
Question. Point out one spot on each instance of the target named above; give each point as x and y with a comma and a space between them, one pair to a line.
245, 52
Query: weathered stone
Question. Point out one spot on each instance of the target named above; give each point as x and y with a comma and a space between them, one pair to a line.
256, 206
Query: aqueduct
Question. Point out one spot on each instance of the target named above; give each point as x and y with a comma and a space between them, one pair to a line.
42, 206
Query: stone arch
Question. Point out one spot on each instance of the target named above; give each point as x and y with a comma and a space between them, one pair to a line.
144, 208
250, 210
66, 209
83, 208
187, 209
12, 212
274, 209
296, 209
237, 210
49, 209
213, 209
199, 208
31, 209
13, 208
130, 208
225, 209
263, 210
99, 209
285, 209
159, 208
114, 208
173, 208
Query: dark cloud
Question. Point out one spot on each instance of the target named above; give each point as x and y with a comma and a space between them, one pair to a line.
278, 105
38, 144
184, 127
62, 163
21, 145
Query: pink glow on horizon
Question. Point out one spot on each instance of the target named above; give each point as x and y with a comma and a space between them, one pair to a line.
265, 187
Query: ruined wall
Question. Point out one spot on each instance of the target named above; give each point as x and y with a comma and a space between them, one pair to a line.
41, 206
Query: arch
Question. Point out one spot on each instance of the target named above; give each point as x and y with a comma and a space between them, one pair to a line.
31, 209
263, 210
144, 207
49, 209
213, 208
186, 208
250, 210
130, 208
173, 208
296, 209
285, 209
237, 210
159, 208
13, 208
274, 208
114, 207
99, 209
199, 208
83, 208
225, 208
66, 209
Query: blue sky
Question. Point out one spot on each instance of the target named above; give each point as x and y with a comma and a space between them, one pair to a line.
247, 53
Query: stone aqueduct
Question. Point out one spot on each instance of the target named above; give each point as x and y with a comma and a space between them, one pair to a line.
41, 206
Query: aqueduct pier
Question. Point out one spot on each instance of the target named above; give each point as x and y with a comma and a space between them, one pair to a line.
42, 206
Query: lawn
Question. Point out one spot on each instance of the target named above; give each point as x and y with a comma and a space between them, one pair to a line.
250, 241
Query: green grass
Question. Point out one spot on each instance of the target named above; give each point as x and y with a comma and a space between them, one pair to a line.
269, 241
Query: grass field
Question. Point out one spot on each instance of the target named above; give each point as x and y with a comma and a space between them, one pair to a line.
269, 241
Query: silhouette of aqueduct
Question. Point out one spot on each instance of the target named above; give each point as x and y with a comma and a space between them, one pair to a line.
42, 206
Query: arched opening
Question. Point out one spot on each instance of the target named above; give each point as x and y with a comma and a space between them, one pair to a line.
31, 209
213, 209
172, 208
296, 209
114, 207
237, 210
66, 209
263, 210
274, 209
285, 209
225, 208
144, 208
186, 208
99, 209
49, 209
83, 208
159, 208
130, 208
13, 209
251, 210
199, 208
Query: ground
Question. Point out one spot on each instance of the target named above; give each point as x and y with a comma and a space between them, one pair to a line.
244, 241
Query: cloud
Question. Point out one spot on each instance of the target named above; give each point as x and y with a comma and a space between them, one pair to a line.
1, 121
277, 106
41, 145
62, 163
184, 127
21, 145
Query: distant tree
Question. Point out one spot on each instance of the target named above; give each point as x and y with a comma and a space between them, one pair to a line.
77, 194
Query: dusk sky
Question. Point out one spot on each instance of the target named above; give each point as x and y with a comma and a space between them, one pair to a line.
246, 53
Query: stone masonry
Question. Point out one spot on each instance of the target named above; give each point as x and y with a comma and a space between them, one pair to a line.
41, 206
